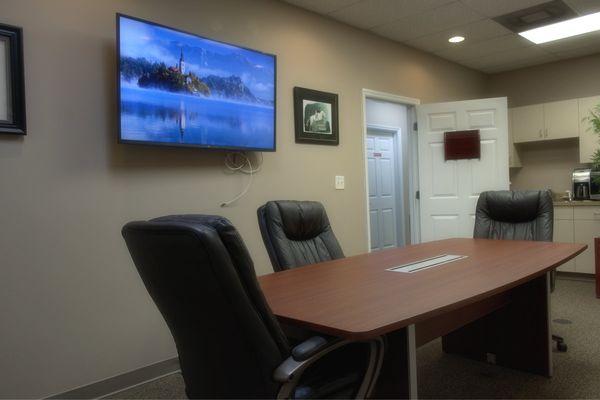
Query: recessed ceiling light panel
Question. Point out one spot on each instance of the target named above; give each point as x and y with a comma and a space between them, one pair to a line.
564, 29
456, 39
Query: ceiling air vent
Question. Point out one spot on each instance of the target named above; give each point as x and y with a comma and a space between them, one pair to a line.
536, 16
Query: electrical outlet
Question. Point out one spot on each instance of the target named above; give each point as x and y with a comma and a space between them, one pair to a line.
339, 182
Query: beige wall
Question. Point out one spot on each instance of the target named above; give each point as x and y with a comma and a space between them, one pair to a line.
73, 309
547, 165
568, 79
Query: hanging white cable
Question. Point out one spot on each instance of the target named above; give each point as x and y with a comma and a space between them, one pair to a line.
234, 165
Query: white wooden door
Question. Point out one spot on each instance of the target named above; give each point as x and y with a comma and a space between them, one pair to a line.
449, 189
382, 190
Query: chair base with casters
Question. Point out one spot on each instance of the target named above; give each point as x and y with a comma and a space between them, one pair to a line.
560, 343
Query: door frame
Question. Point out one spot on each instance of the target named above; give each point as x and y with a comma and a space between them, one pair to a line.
413, 177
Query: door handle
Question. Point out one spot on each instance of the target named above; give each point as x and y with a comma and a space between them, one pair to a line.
541, 133
546, 132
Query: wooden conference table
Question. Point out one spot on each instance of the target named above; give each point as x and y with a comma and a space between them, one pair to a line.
493, 305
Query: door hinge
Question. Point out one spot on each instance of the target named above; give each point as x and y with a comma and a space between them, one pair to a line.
415, 126
418, 195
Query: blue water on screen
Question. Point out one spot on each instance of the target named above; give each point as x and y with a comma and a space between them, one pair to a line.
159, 116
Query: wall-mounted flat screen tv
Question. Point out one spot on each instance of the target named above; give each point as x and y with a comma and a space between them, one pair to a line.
180, 89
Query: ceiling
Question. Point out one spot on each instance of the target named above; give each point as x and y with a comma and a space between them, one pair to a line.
427, 25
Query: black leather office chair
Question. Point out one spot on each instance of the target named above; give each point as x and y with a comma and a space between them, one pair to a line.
200, 275
297, 233
517, 215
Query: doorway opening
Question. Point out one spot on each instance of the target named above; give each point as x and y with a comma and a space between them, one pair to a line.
390, 160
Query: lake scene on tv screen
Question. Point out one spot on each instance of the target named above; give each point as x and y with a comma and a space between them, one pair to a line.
181, 89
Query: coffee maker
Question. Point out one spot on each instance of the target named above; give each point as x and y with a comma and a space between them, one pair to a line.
581, 183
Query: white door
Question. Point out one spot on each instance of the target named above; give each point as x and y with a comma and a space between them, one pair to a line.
449, 189
382, 190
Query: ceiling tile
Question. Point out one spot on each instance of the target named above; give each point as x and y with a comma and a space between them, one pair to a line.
584, 7
467, 51
322, 6
572, 43
580, 52
517, 65
371, 13
475, 32
515, 58
439, 19
427, 25
494, 8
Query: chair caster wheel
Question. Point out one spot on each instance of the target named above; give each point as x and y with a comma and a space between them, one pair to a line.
562, 347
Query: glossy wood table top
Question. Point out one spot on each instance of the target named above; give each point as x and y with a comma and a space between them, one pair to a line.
357, 298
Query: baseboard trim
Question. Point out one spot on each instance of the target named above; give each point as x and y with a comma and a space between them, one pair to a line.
576, 276
121, 382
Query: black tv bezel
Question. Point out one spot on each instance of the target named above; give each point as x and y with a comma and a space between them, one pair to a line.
188, 145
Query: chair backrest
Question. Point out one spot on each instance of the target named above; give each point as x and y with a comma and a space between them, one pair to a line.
201, 277
516, 215
297, 233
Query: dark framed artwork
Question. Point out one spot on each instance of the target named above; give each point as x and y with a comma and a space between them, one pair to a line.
316, 117
12, 82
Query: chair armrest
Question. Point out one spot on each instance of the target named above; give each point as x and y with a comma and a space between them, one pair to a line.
308, 348
290, 371
303, 355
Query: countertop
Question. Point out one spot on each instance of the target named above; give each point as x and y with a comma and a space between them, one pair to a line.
576, 203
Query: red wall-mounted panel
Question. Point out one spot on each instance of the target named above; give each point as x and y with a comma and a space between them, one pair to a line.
462, 145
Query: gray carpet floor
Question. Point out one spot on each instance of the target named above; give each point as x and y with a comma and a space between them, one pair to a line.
443, 376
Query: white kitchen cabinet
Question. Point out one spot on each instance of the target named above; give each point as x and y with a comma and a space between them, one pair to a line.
514, 160
588, 140
564, 232
563, 213
547, 121
585, 233
578, 224
587, 227
528, 123
561, 119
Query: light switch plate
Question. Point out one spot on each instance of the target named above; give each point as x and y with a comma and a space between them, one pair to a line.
339, 182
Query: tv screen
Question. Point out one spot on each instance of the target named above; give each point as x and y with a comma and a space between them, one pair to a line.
180, 89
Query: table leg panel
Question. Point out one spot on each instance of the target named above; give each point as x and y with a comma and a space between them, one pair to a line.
398, 378
515, 336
